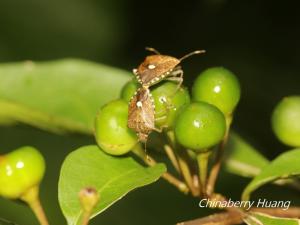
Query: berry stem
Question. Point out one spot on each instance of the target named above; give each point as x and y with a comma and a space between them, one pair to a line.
183, 163
170, 153
181, 186
202, 159
186, 173
86, 218
31, 197
218, 159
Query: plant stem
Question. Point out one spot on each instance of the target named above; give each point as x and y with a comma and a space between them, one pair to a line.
218, 159
183, 164
186, 173
168, 177
31, 197
170, 153
85, 218
138, 150
292, 212
89, 198
226, 218
236, 217
202, 159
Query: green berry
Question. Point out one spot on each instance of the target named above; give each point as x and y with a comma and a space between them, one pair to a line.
286, 121
168, 100
20, 171
111, 131
129, 89
200, 126
217, 86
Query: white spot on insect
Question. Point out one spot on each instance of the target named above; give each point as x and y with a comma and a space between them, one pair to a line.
134, 71
139, 104
217, 89
197, 123
151, 66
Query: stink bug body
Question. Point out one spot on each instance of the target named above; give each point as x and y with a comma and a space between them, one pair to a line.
159, 67
141, 114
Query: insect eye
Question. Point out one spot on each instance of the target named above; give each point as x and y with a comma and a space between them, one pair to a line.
151, 66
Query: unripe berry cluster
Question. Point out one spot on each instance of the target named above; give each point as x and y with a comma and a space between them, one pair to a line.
199, 121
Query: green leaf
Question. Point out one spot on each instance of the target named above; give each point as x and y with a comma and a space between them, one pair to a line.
112, 176
264, 219
6, 222
284, 166
242, 158
59, 96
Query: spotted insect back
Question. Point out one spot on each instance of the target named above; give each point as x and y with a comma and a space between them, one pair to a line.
159, 67
141, 114
155, 68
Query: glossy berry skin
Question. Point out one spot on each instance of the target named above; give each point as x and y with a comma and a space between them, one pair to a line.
217, 86
286, 121
111, 131
129, 90
20, 170
168, 100
199, 126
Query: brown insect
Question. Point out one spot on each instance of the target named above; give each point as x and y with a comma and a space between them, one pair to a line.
141, 114
159, 67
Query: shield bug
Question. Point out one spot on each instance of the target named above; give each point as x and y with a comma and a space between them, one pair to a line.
141, 114
158, 67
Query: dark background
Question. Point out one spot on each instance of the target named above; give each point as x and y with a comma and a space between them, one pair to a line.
258, 40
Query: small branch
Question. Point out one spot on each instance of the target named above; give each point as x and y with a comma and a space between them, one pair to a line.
31, 197
186, 173
168, 177
181, 186
170, 153
226, 218
233, 217
293, 184
218, 160
85, 218
183, 163
202, 159
292, 212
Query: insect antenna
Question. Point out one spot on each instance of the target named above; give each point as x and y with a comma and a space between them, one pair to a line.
192, 53
153, 50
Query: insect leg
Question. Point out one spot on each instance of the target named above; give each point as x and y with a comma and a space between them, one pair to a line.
176, 76
159, 130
